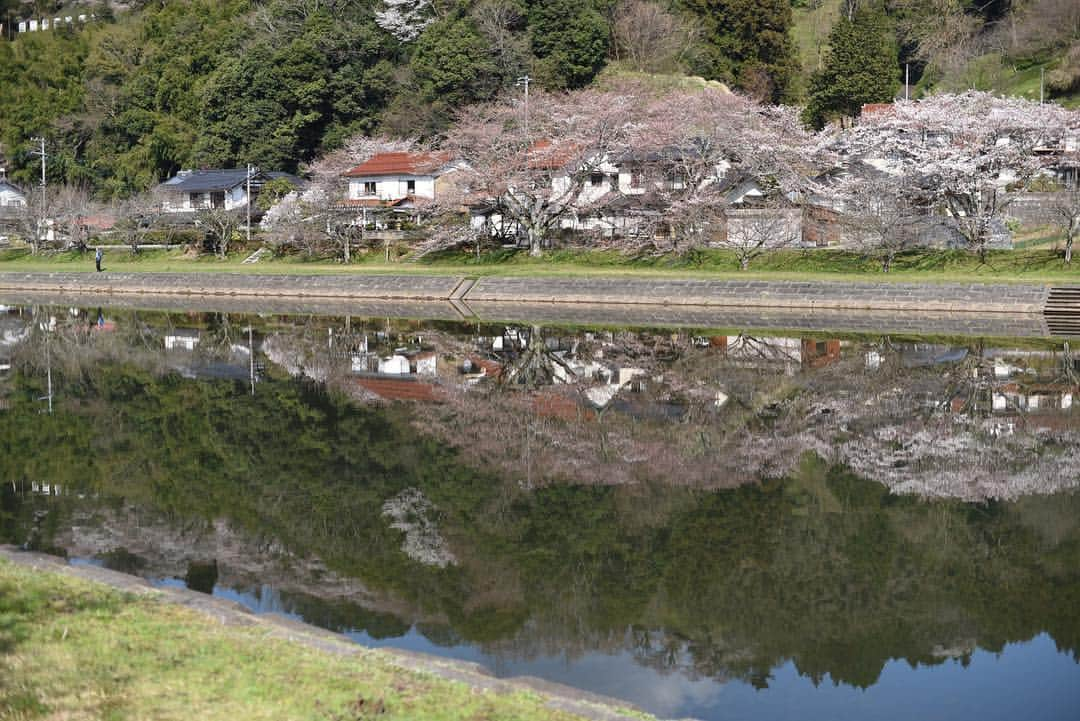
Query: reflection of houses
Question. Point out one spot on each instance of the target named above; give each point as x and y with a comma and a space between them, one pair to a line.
182, 339
1015, 396
398, 388
804, 352
820, 353
397, 377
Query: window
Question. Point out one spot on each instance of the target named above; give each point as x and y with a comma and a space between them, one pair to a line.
636, 181
369, 188
596, 179
410, 187
198, 200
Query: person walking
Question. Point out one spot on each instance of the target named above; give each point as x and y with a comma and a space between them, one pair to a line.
97, 259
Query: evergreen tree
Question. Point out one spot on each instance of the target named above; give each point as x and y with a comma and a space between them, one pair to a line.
862, 66
751, 45
570, 39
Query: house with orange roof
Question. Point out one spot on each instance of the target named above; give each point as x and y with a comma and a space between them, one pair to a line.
398, 180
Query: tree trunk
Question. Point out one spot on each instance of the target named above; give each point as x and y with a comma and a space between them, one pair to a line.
886, 262
1068, 250
536, 243
744, 262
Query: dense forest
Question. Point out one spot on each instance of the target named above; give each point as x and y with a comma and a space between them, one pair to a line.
147, 88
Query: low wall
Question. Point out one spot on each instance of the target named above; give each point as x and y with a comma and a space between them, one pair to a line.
419, 287
795, 295
1033, 209
968, 298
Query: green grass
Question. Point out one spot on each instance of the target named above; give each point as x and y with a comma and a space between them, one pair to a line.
74, 650
1039, 263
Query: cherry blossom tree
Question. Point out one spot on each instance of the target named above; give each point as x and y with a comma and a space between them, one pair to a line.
878, 218
668, 149
534, 163
958, 153
695, 148
750, 233
404, 19
1066, 213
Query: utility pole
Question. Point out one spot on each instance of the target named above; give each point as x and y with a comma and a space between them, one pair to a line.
251, 354
41, 225
525, 81
249, 203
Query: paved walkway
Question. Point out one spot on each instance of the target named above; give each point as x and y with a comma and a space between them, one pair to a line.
799, 295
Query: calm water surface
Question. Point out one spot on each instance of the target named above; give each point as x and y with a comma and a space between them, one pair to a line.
720, 524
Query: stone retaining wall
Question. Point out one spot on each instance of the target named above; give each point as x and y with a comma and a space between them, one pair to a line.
997, 325
973, 298
1033, 209
418, 287
795, 295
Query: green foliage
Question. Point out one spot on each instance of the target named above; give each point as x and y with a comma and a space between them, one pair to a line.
570, 39
272, 192
861, 67
750, 44
453, 67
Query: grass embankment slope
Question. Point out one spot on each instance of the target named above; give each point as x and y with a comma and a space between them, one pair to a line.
73, 650
1027, 265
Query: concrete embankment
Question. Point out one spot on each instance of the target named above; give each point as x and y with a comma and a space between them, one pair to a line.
596, 291
821, 320
555, 696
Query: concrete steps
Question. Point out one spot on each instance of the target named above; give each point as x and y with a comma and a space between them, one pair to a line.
1062, 310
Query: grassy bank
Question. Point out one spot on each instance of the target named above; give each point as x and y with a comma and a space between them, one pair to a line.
1037, 264
70, 649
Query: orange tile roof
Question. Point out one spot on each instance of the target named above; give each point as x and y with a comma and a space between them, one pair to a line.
543, 155
878, 108
398, 389
400, 164
560, 407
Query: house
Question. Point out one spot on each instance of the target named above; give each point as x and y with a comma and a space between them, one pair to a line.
399, 179
190, 191
12, 198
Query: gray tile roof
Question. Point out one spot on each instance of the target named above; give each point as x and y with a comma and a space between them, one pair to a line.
204, 181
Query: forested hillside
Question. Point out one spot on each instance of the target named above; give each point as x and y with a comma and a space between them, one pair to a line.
150, 87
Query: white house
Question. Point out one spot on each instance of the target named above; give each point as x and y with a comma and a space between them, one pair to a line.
398, 179
194, 190
11, 197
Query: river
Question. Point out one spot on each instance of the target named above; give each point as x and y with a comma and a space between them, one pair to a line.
708, 522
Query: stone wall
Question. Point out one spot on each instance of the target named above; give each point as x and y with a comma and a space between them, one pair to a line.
1033, 209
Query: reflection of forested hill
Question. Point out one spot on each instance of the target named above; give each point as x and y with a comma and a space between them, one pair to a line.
824, 567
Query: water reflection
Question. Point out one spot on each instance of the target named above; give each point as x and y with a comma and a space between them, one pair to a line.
708, 523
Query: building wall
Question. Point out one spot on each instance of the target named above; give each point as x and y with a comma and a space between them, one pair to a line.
1033, 209
235, 199
392, 187
784, 225
11, 198
821, 227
